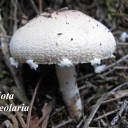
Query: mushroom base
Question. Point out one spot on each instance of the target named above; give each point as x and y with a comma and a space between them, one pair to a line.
69, 90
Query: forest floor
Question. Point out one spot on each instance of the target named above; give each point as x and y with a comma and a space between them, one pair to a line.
104, 95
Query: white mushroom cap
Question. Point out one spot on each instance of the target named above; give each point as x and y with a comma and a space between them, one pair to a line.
67, 35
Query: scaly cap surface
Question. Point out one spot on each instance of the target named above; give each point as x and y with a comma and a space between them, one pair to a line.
67, 35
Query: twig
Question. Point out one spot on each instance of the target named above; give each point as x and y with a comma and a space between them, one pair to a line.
103, 123
106, 73
122, 44
105, 115
99, 102
121, 68
15, 122
119, 114
78, 126
62, 9
113, 99
57, 110
34, 6
14, 2
85, 76
64, 123
113, 64
4, 36
40, 6
87, 85
32, 102
117, 62
96, 107
18, 94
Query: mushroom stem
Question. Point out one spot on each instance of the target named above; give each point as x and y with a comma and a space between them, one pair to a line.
69, 90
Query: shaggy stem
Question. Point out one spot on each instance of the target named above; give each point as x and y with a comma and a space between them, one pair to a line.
69, 90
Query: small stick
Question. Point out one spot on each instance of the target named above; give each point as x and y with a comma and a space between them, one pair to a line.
117, 62
82, 120
40, 6
113, 64
122, 44
5, 36
57, 111
121, 67
119, 114
85, 76
32, 102
15, 15
113, 99
34, 6
64, 123
62, 9
105, 115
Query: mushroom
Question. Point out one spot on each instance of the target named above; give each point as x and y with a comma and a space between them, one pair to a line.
65, 39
